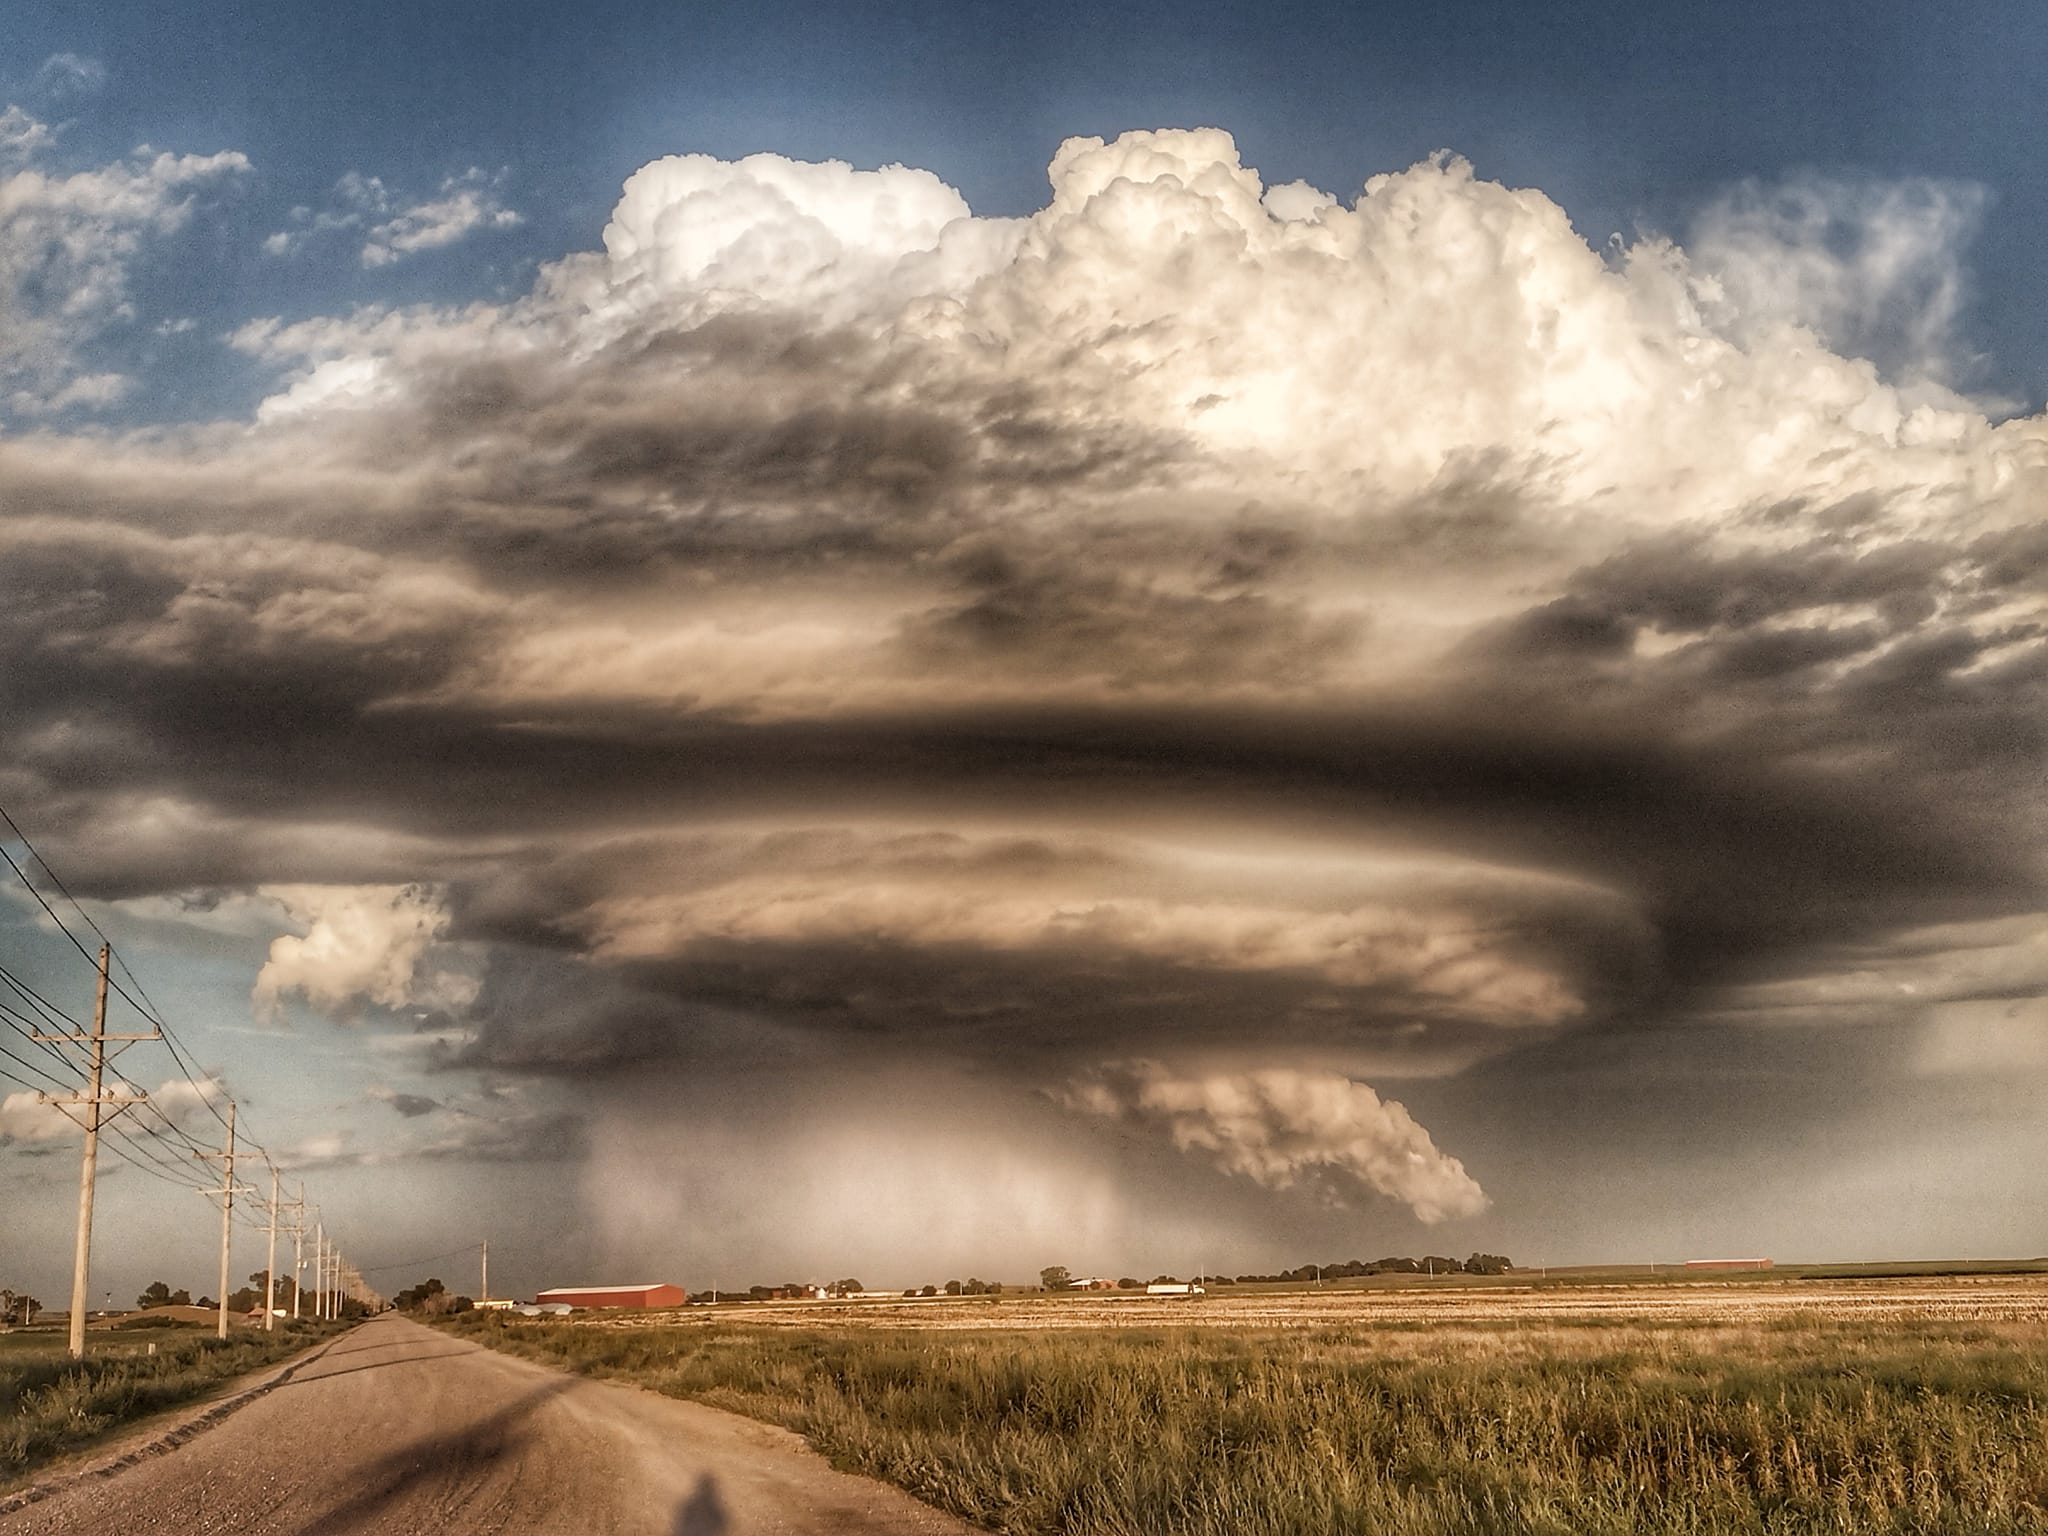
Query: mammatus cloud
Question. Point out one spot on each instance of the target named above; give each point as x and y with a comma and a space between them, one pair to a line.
376, 944
1279, 1126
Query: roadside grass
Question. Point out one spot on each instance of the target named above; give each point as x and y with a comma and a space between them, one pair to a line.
1791, 1425
51, 1404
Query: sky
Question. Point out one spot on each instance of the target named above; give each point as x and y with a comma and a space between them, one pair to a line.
733, 645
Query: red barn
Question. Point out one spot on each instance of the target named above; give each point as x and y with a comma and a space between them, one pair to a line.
614, 1296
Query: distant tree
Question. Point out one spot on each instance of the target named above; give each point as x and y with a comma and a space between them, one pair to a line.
845, 1287
206, 1303
157, 1295
930, 1290
1130, 1283
1054, 1277
247, 1299
911, 1291
1164, 1280
424, 1297
952, 1287
18, 1308
760, 1293
181, 1297
1437, 1264
1221, 1280
1488, 1264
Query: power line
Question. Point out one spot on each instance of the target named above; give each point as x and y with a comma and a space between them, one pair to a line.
141, 1145
57, 880
21, 1080
145, 1005
452, 1253
170, 1173
50, 1078
53, 1016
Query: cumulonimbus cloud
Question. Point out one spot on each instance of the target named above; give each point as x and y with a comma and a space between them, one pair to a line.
1281, 1125
783, 622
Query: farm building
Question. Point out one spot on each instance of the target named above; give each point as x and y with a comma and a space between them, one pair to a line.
613, 1296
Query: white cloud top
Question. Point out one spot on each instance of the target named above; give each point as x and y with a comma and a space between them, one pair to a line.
376, 944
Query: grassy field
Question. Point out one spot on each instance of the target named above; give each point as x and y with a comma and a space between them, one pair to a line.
51, 1404
1902, 1407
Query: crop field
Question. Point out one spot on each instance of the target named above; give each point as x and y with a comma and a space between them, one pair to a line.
1903, 1405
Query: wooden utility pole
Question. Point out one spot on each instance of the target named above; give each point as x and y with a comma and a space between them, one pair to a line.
270, 1262
298, 1248
227, 1192
92, 1102
487, 1269
319, 1270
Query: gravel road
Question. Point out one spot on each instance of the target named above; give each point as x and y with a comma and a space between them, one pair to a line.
398, 1429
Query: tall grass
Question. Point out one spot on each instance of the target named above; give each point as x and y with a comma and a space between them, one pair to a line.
1793, 1427
50, 1404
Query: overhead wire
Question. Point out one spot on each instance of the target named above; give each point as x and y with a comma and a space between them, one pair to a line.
151, 1148
48, 1053
452, 1253
55, 1017
140, 999
50, 1080
126, 1136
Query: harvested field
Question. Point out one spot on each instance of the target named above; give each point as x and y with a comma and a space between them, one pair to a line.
1898, 1406
1958, 1299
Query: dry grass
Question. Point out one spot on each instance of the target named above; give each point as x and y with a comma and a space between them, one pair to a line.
51, 1404
1750, 1413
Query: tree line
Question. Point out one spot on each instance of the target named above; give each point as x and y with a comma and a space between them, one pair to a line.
1056, 1277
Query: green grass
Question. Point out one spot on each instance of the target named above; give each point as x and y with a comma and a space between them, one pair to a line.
1795, 1426
51, 1404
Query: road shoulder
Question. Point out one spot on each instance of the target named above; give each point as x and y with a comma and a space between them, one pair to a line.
158, 1433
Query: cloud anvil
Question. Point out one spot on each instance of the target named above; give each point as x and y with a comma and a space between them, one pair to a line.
1163, 663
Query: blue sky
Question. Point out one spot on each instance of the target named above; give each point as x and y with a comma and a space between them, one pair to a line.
1099, 696
1630, 116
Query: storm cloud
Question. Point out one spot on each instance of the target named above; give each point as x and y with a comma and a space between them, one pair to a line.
1284, 640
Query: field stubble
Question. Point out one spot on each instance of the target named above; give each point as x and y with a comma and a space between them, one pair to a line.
1850, 1407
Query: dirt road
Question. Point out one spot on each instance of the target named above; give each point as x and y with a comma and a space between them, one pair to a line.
398, 1429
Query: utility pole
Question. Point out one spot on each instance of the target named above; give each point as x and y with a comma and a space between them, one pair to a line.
487, 1269
319, 1269
92, 1102
270, 1262
227, 1191
298, 1248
